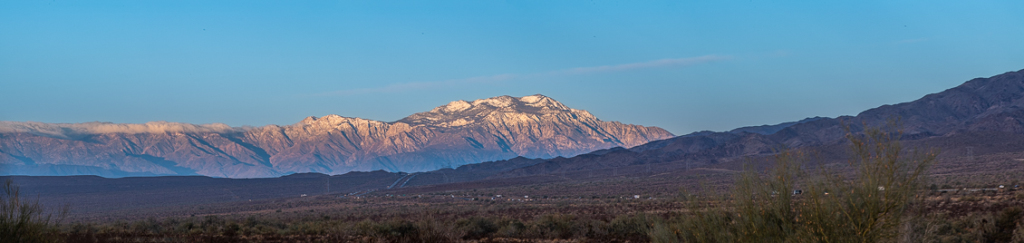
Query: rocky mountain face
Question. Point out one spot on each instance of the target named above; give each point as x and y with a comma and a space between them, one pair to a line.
448, 136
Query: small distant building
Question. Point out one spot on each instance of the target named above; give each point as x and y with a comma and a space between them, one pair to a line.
798, 192
636, 196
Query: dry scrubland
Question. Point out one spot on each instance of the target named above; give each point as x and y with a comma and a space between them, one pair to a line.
942, 217
720, 203
960, 216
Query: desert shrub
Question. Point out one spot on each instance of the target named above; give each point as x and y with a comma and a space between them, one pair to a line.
185, 227
231, 229
632, 227
764, 204
211, 224
398, 230
557, 226
395, 230
1018, 234
867, 207
595, 229
661, 233
25, 220
920, 228
512, 229
436, 231
711, 225
870, 206
148, 226
972, 228
1004, 225
477, 227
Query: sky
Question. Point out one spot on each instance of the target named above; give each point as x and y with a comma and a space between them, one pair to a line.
681, 65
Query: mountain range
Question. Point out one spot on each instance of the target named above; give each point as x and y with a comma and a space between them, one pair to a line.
458, 133
980, 116
956, 120
976, 127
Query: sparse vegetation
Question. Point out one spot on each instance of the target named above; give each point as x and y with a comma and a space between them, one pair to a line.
608, 220
23, 220
791, 204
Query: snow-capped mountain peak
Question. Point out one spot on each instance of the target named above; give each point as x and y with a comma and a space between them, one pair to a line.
454, 106
542, 101
460, 112
498, 102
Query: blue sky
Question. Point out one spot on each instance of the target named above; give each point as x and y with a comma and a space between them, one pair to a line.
681, 65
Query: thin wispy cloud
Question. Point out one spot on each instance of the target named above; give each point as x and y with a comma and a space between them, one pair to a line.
673, 62
662, 63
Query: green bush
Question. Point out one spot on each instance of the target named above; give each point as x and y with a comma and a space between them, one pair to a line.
632, 227
1005, 224
867, 207
512, 229
661, 233
557, 226
406, 231
477, 227
24, 220
1018, 234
